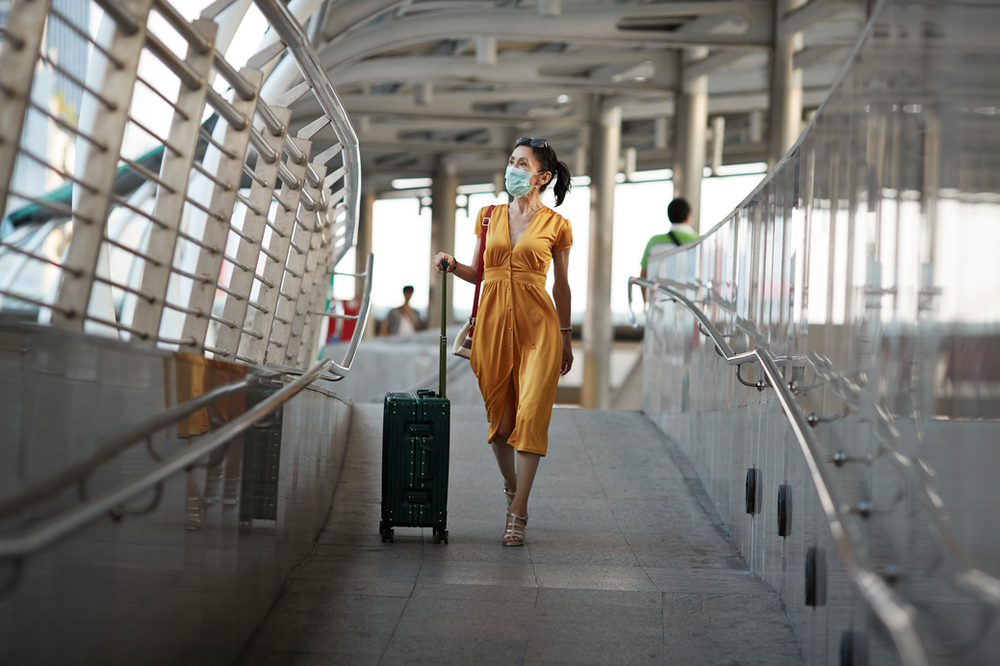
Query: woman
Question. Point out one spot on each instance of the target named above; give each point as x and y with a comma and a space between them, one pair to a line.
521, 343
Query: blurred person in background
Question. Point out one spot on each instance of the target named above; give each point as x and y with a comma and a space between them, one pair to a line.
681, 231
403, 320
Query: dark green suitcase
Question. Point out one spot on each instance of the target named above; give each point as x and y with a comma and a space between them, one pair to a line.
416, 442
415, 459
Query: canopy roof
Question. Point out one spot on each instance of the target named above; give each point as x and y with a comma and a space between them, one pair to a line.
434, 84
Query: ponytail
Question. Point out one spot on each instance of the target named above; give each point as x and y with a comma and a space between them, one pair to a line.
563, 182
560, 172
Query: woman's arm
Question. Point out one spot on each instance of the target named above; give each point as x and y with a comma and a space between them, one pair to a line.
561, 297
467, 273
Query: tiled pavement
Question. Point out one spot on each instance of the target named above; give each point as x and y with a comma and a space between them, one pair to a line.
623, 565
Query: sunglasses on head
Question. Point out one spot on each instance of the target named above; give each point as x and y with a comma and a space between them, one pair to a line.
531, 141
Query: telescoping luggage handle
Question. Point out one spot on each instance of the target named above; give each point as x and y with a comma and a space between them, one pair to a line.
443, 348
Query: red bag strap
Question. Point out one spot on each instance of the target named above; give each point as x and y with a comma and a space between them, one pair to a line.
479, 266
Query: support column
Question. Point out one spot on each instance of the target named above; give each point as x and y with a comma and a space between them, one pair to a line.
444, 189
364, 245
786, 86
756, 126
363, 248
691, 113
605, 145
718, 142
660, 133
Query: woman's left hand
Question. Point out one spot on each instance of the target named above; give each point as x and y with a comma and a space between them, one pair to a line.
567, 355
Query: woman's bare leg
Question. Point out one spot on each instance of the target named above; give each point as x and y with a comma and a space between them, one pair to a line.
503, 451
527, 465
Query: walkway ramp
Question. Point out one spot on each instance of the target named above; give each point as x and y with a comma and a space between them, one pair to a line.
625, 563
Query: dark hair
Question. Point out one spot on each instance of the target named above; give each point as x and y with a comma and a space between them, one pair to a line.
678, 211
548, 161
407, 288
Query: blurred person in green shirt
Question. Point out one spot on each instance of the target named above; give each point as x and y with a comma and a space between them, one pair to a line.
681, 231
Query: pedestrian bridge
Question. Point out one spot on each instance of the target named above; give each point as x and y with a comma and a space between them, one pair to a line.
810, 475
627, 562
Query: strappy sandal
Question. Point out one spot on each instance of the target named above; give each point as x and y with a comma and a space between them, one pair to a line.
514, 531
510, 496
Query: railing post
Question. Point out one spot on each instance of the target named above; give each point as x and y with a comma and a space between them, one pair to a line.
229, 172
311, 300
26, 22
174, 171
289, 335
253, 347
321, 281
91, 206
247, 253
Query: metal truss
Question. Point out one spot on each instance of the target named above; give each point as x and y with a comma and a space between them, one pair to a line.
242, 224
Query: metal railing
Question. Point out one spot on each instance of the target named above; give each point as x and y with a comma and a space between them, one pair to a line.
143, 432
895, 614
231, 251
217, 233
113, 501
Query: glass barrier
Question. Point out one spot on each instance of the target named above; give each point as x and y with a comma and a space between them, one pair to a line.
863, 266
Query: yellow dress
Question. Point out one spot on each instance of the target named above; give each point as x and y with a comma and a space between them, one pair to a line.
517, 329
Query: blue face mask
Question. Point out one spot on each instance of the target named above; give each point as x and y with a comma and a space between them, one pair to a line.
518, 181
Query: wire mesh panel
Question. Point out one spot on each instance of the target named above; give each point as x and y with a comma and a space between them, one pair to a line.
150, 194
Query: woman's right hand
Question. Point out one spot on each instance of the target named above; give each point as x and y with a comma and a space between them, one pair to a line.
442, 260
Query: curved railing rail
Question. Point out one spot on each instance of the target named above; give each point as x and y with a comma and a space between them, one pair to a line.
141, 432
895, 614
113, 501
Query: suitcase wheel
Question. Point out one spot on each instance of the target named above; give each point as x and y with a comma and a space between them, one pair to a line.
440, 535
386, 534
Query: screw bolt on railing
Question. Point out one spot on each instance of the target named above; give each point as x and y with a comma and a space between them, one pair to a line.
892, 573
864, 509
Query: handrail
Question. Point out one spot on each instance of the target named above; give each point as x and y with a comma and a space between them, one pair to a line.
359, 330
56, 484
340, 370
53, 530
144, 430
895, 614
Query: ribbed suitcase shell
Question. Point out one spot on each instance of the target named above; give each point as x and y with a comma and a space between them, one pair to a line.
415, 451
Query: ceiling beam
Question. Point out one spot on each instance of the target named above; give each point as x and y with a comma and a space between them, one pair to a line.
813, 12
584, 25
714, 61
515, 68
816, 55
